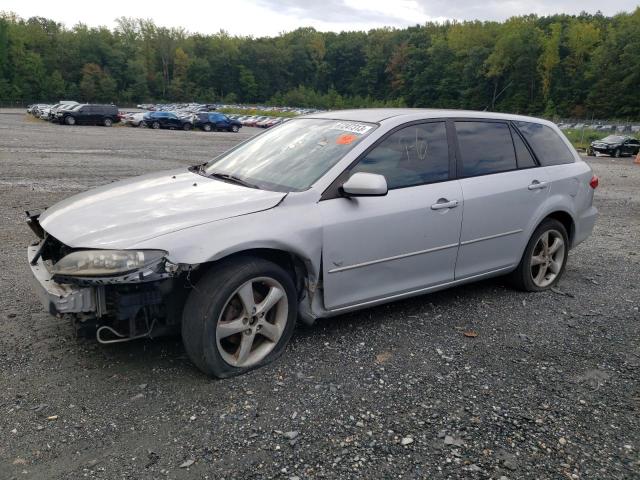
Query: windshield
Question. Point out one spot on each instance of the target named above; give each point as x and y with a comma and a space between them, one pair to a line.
292, 156
613, 139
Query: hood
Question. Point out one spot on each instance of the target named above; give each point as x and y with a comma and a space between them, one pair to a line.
124, 213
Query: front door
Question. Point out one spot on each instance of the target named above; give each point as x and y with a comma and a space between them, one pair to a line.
378, 247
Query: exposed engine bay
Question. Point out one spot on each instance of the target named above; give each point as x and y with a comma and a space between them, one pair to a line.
142, 303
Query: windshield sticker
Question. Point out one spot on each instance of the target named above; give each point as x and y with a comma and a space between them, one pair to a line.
352, 127
346, 139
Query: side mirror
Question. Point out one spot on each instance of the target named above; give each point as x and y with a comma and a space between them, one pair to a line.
363, 184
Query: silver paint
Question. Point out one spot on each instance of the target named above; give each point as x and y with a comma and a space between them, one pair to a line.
384, 248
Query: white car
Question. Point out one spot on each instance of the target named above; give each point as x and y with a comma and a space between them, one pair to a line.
321, 215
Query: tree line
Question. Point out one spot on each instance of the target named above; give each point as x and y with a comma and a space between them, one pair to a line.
572, 66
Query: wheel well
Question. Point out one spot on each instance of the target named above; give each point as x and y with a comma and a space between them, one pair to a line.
565, 219
292, 263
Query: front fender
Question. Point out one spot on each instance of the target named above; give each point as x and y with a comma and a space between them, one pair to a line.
294, 229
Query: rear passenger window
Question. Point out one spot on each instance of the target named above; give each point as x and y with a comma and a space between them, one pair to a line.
525, 159
548, 146
411, 156
485, 147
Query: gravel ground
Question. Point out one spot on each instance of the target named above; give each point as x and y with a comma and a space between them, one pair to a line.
549, 388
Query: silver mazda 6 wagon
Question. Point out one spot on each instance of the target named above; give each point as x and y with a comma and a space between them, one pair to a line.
321, 215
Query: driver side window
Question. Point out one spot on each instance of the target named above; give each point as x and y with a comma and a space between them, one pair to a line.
414, 155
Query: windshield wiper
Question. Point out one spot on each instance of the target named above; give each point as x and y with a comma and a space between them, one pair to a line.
233, 179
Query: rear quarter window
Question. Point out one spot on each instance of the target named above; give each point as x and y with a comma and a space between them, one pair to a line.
546, 143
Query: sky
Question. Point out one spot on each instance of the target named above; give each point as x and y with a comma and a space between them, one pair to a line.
271, 17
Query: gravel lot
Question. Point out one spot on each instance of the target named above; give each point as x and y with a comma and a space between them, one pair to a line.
550, 387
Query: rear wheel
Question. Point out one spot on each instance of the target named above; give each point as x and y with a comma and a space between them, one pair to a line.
70, 120
234, 128
545, 258
207, 127
240, 316
155, 125
186, 127
107, 122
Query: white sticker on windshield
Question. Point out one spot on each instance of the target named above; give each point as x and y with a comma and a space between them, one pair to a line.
352, 127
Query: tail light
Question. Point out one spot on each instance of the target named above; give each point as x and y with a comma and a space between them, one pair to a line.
594, 182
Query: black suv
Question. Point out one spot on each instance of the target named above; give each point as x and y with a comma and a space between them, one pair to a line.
215, 121
89, 114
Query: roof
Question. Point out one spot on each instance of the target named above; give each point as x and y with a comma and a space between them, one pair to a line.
377, 115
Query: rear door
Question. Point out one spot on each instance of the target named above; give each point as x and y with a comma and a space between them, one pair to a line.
97, 114
377, 247
630, 146
502, 186
171, 120
219, 121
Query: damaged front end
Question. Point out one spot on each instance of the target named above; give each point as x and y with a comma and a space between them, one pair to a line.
116, 295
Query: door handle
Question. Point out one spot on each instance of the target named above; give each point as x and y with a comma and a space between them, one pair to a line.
536, 185
443, 203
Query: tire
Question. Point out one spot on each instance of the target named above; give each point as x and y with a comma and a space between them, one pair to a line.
216, 295
617, 153
523, 277
590, 152
70, 120
142, 125
107, 122
207, 127
186, 127
234, 129
155, 125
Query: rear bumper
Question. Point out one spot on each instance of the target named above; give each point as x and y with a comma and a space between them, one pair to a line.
584, 225
59, 298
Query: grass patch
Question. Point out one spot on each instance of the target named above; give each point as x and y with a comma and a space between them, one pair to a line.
253, 111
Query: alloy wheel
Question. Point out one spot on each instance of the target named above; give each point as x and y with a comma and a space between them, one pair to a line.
252, 322
547, 258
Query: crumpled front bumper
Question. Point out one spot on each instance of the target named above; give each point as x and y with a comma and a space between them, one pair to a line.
60, 298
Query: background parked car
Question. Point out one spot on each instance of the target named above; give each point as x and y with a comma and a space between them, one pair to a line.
89, 114
63, 105
37, 108
166, 120
133, 119
615, 145
215, 121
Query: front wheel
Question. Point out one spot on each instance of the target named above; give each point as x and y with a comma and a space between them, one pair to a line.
240, 316
207, 127
107, 122
70, 120
545, 258
617, 153
155, 125
234, 129
186, 127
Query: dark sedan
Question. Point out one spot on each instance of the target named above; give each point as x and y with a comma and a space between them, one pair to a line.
166, 120
615, 145
215, 121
